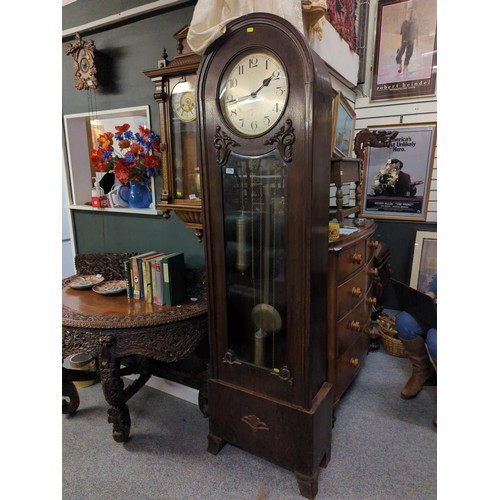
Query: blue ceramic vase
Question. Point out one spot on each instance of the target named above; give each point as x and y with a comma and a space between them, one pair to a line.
139, 195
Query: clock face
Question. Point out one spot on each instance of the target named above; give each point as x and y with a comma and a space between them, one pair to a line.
183, 101
84, 64
253, 92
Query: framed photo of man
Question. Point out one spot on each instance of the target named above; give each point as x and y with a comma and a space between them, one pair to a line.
397, 178
405, 54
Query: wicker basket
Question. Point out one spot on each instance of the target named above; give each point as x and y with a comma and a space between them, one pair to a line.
388, 335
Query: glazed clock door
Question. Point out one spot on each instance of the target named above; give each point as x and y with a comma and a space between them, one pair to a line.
186, 179
254, 219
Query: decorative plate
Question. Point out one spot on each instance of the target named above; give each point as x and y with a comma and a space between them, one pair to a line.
111, 287
85, 281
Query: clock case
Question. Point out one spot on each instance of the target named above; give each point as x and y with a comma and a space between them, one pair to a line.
178, 139
281, 412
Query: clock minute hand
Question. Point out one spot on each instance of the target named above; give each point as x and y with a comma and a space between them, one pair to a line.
265, 83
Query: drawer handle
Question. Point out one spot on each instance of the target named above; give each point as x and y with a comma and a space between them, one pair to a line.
354, 325
373, 271
356, 258
356, 291
371, 300
370, 331
354, 362
373, 244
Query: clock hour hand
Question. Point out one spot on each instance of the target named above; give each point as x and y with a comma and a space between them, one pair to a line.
265, 83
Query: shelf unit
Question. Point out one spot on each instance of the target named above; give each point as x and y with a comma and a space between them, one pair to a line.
80, 134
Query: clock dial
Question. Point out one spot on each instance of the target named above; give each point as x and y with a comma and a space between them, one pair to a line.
84, 64
183, 101
253, 92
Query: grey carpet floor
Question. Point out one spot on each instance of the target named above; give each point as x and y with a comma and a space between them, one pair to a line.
382, 448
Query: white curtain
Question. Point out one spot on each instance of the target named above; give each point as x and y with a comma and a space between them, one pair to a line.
211, 16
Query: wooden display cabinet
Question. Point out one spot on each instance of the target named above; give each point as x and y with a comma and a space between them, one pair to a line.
175, 93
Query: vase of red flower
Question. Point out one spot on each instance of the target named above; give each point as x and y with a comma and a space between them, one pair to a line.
134, 162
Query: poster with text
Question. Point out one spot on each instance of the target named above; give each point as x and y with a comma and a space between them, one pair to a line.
396, 180
405, 55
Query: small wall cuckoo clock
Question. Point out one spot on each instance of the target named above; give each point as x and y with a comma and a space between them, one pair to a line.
85, 71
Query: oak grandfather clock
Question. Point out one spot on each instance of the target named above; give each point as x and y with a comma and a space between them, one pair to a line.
264, 101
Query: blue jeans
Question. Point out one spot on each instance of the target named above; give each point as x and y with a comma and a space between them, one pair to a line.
409, 329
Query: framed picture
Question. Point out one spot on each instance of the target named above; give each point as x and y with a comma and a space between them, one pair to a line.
397, 178
405, 52
343, 126
81, 132
424, 264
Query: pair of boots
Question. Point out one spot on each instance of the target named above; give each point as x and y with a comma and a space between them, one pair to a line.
423, 370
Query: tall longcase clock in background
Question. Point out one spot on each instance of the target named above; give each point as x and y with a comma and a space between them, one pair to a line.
264, 100
175, 92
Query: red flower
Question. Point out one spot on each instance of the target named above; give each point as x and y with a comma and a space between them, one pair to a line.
97, 160
122, 129
151, 161
106, 141
156, 145
143, 131
136, 148
124, 144
122, 171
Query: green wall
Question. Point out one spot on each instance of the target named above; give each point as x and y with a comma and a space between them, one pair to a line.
127, 51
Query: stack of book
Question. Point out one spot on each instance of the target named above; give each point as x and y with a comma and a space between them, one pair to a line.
157, 278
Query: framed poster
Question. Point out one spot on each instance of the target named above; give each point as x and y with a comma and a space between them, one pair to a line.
405, 54
343, 126
424, 264
397, 178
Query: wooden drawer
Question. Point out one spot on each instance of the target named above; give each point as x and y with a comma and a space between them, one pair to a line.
351, 326
352, 292
350, 260
349, 363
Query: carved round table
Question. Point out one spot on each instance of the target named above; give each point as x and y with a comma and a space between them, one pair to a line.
111, 328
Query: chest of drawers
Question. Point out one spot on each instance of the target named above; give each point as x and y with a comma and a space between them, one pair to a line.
351, 293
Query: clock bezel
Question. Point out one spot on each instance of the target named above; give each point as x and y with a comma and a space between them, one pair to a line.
193, 92
231, 63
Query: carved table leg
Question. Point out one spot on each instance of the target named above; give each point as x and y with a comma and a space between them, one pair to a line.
113, 389
69, 391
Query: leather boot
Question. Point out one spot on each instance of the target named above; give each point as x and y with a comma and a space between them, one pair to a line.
422, 367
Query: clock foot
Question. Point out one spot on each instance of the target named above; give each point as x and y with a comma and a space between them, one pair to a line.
215, 444
308, 483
